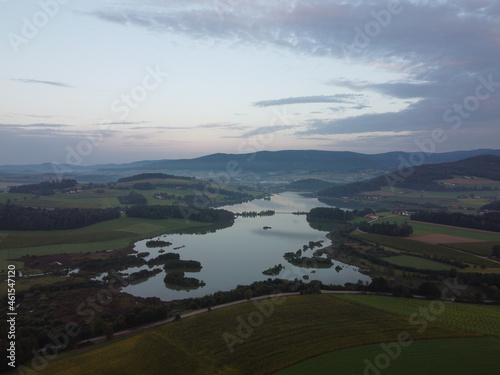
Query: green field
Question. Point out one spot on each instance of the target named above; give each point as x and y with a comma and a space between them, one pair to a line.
478, 248
107, 235
106, 197
421, 228
416, 247
415, 199
483, 319
416, 262
433, 357
429, 357
299, 328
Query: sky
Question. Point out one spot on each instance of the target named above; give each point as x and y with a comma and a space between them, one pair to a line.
88, 82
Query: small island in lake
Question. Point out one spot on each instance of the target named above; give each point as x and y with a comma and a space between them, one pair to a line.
142, 275
177, 264
158, 243
178, 279
273, 271
298, 260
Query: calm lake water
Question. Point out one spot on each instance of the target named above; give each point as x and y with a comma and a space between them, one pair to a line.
237, 255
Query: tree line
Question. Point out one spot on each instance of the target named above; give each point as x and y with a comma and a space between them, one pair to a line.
146, 176
43, 188
13, 217
133, 198
322, 214
205, 215
489, 221
387, 229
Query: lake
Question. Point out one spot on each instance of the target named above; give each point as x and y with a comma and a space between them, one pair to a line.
237, 255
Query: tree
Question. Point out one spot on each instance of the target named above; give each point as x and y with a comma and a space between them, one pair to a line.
429, 289
379, 284
98, 327
108, 331
120, 322
248, 294
495, 251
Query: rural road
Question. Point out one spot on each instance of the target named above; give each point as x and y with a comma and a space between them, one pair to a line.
98, 339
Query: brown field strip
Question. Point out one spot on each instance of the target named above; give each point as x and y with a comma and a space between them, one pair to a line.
436, 239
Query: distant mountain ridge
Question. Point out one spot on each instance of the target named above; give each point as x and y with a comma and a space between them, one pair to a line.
261, 163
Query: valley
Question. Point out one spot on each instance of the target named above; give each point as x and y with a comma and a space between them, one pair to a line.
181, 247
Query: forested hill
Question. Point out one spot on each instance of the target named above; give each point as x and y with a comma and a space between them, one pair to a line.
424, 177
311, 160
253, 161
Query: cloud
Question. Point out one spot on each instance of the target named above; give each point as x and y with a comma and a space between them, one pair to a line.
222, 125
123, 123
439, 49
339, 98
267, 130
329, 28
36, 81
37, 125
165, 128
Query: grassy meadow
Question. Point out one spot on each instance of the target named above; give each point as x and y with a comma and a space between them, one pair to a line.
416, 247
430, 357
416, 262
107, 235
484, 319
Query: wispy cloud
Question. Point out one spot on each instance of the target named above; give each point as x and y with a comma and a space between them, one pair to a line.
36, 81
339, 98
267, 130
37, 125
123, 123
164, 128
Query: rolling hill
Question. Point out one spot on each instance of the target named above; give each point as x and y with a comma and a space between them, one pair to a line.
424, 177
261, 164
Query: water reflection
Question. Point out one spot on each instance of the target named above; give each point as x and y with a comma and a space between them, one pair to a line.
239, 253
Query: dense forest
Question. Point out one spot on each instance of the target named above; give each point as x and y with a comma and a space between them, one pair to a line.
146, 176
387, 229
133, 198
14, 217
43, 188
331, 214
494, 206
327, 214
488, 221
205, 215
